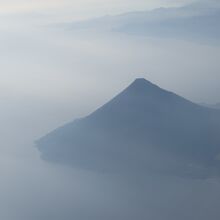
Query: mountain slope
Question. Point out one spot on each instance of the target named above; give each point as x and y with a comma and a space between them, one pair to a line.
216, 106
144, 127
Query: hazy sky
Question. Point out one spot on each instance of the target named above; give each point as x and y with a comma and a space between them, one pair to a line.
51, 76
45, 69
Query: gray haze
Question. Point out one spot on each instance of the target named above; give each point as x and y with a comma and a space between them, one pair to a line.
50, 76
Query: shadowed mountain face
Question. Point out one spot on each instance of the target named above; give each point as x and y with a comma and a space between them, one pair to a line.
144, 128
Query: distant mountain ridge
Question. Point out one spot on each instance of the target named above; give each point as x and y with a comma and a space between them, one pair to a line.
143, 128
196, 21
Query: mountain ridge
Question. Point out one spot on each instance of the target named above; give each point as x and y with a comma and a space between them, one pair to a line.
196, 21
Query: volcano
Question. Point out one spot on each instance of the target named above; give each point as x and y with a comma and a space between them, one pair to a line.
143, 129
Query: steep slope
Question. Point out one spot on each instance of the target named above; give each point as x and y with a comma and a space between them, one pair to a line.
144, 127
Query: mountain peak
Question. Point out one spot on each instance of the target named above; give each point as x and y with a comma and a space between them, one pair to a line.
141, 80
144, 121
143, 85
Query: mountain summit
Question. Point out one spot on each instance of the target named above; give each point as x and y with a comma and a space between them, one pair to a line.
144, 128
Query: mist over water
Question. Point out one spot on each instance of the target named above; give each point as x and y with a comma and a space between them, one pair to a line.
33, 189
52, 76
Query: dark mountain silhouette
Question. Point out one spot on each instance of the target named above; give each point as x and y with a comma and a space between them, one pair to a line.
144, 128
